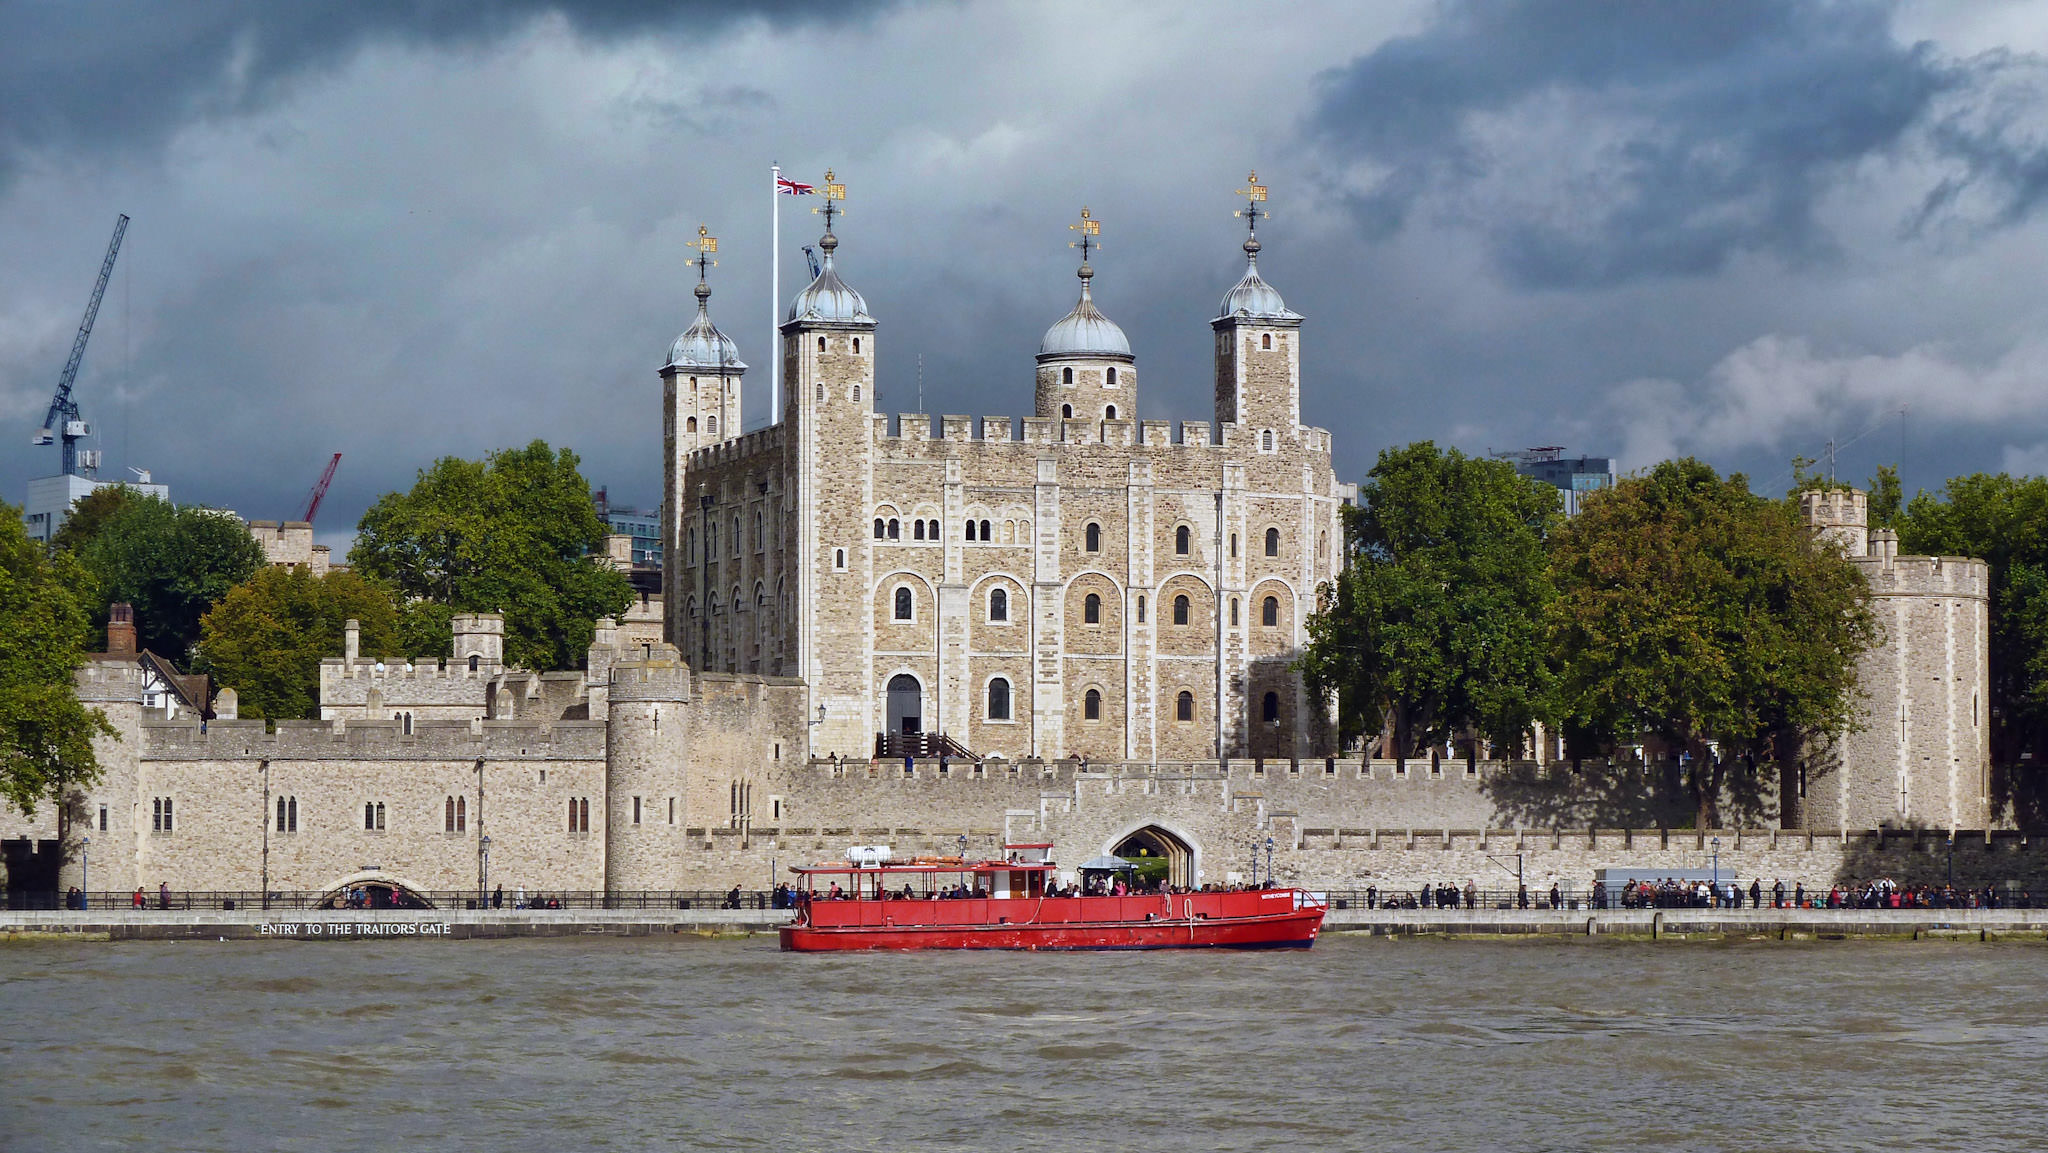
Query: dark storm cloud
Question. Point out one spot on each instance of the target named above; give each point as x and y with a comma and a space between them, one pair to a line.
1597, 143
103, 78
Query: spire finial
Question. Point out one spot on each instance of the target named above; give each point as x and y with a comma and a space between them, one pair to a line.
705, 244
1089, 228
1254, 196
833, 192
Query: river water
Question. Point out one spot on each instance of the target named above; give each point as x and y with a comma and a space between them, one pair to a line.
572, 1044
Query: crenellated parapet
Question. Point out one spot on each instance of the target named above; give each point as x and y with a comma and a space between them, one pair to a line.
357, 740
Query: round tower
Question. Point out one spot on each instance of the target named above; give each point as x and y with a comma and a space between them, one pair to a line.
647, 753
1085, 368
1258, 346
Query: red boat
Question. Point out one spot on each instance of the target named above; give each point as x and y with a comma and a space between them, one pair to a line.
949, 903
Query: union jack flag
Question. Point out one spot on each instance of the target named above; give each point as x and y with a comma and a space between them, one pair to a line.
792, 188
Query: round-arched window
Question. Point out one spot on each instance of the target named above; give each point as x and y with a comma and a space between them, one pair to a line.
1269, 612
1091, 705
1091, 610
1094, 537
1184, 706
1066, 376
1180, 540
1180, 609
999, 700
1272, 542
1109, 413
1271, 708
903, 604
1067, 411
998, 605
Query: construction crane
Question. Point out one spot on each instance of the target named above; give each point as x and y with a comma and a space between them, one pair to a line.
64, 422
320, 489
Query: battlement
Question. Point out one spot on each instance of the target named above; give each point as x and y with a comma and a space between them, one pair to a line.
109, 681
661, 677
762, 441
412, 669
375, 740
1892, 575
914, 428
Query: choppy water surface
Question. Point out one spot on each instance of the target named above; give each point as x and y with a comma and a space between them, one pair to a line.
563, 1045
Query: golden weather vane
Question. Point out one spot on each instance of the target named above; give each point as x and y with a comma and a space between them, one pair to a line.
705, 244
833, 192
1253, 196
1089, 228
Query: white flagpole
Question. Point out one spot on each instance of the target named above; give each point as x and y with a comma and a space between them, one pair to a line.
775, 303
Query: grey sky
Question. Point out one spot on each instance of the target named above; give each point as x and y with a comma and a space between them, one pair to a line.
406, 230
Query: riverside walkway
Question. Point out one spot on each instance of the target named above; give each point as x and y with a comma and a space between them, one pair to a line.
465, 924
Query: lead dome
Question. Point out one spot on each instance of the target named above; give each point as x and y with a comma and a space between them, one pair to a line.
1084, 331
702, 346
827, 298
1251, 297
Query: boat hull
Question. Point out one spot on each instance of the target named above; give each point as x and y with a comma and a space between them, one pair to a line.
885, 925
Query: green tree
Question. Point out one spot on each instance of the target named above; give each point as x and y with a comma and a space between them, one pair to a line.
45, 623
2003, 520
90, 513
1692, 609
1438, 617
266, 638
515, 533
1887, 497
172, 563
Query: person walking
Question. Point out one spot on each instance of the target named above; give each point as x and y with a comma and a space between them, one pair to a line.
1756, 893
163, 894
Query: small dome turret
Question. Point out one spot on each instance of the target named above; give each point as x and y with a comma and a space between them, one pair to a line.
1084, 331
827, 299
1252, 298
701, 346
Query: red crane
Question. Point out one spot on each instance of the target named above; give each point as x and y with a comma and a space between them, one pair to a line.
320, 489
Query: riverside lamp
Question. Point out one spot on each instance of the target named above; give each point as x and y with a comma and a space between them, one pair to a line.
85, 873
1716, 842
483, 871
1269, 860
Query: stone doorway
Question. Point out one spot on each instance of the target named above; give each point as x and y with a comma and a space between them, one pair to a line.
906, 705
1151, 843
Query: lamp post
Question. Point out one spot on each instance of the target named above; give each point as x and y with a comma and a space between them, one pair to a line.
85, 873
1951, 859
483, 871
1269, 860
1717, 868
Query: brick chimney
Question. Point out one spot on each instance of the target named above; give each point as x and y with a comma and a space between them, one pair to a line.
121, 630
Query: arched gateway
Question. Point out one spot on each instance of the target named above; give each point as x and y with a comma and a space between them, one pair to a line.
1152, 842
375, 889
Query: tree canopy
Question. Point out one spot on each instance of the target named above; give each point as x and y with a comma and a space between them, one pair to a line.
90, 513
171, 562
2003, 520
515, 533
1438, 617
45, 623
1690, 608
266, 638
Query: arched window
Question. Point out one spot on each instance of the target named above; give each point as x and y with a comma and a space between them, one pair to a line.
984, 530
448, 815
969, 534
1112, 378
1233, 546
1094, 537
690, 426
856, 394
1272, 542
1180, 609
895, 529
1067, 411
1233, 612
931, 530
999, 700
1267, 440
1091, 610
760, 532
1269, 611
917, 529
473, 661
878, 528
821, 394
821, 344
1184, 706
1270, 709
839, 559
998, 605
737, 539
1091, 705
1265, 340
711, 426
1180, 540
1141, 608
856, 344
1109, 413
280, 815
903, 604
1066, 376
